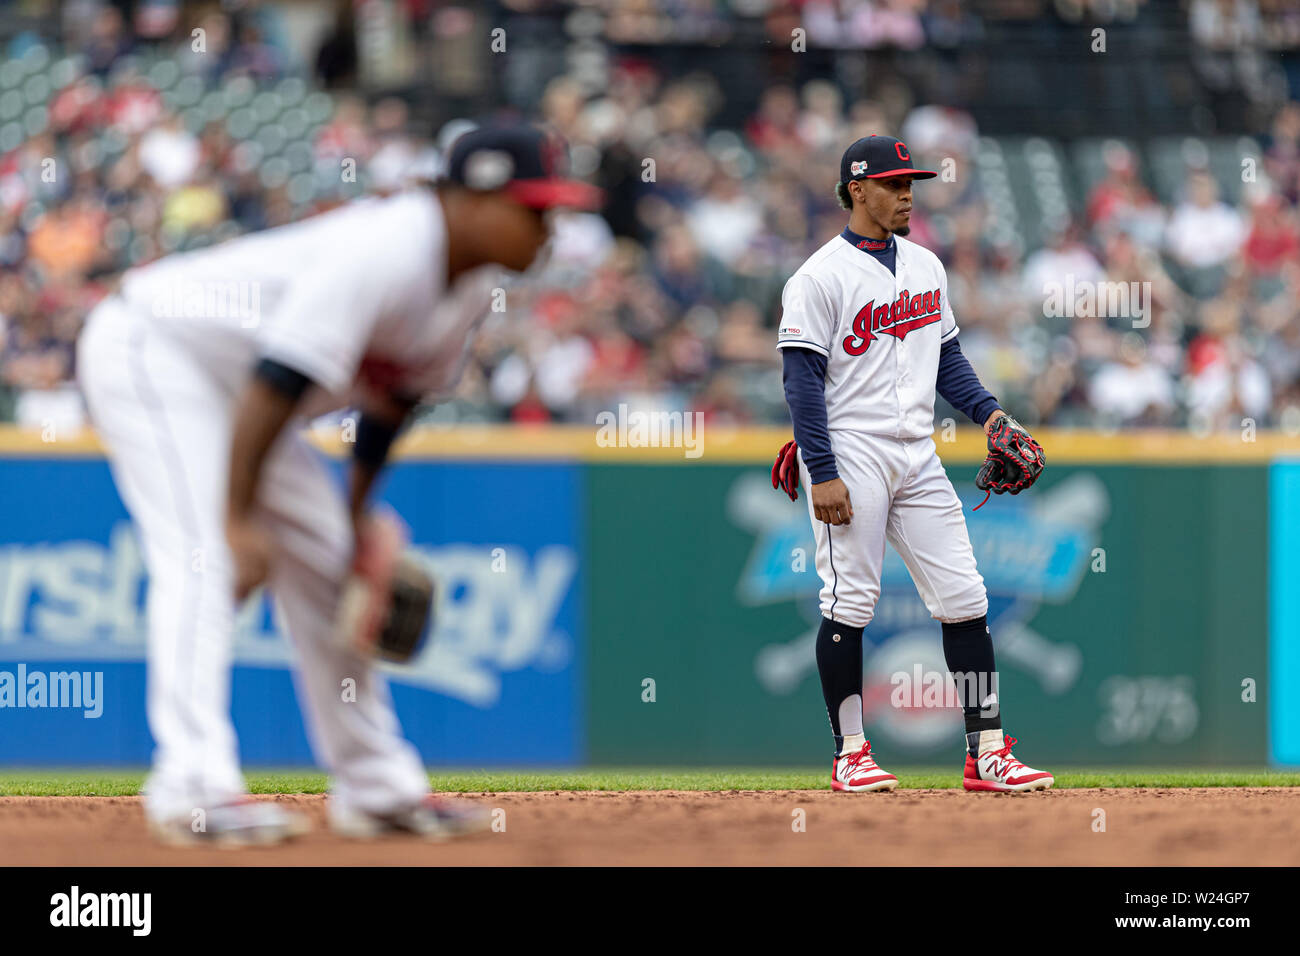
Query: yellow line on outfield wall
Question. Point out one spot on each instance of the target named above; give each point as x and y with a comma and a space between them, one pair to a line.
730, 445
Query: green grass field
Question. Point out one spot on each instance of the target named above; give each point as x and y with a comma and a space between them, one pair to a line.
113, 783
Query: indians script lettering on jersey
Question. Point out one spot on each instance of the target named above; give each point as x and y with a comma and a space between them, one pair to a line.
909, 312
879, 332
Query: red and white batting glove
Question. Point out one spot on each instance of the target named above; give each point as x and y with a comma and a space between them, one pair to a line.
785, 471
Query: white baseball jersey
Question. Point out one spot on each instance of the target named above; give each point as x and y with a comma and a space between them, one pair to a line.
880, 333
356, 296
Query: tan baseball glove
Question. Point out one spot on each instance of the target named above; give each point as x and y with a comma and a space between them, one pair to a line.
386, 608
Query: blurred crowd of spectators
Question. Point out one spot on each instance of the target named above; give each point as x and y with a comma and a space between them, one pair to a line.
685, 307
853, 24
671, 297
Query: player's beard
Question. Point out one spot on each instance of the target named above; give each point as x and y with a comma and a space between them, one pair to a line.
902, 231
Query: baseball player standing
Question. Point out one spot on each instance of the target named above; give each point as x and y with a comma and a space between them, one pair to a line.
867, 336
370, 306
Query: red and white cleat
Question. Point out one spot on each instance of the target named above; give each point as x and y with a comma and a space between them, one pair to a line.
999, 770
858, 773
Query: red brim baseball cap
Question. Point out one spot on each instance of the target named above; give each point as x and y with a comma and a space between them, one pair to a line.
552, 193
879, 157
525, 162
902, 171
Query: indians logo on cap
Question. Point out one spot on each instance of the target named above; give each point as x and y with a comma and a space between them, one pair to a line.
489, 169
858, 168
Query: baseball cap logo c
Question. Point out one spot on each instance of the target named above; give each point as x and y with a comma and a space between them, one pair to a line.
884, 155
489, 169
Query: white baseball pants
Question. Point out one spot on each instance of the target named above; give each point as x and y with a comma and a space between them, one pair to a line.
900, 494
166, 420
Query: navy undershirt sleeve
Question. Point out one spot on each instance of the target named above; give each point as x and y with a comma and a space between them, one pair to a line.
960, 386
375, 436
804, 374
287, 381
373, 440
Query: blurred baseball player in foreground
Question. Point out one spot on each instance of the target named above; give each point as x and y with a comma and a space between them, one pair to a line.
867, 336
370, 307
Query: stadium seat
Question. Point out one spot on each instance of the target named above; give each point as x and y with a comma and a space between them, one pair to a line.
299, 155
34, 59
213, 106
11, 74
295, 123
301, 189
187, 92
1227, 154
164, 74
11, 137
319, 107
1048, 177
37, 90
266, 107
1169, 167
1089, 160
239, 91
272, 139
291, 90
1027, 197
241, 124
274, 172
11, 105
64, 71
991, 175
35, 120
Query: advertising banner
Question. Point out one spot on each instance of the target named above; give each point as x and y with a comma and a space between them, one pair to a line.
1127, 603
615, 609
506, 667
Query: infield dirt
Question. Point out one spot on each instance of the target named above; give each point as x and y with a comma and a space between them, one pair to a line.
1237, 826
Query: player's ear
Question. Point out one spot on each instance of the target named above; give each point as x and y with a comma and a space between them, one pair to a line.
842, 194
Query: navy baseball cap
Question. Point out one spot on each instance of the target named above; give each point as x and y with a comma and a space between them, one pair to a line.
527, 163
876, 157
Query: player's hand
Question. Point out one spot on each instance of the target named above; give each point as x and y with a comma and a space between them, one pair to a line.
831, 502
387, 600
250, 550
379, 536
